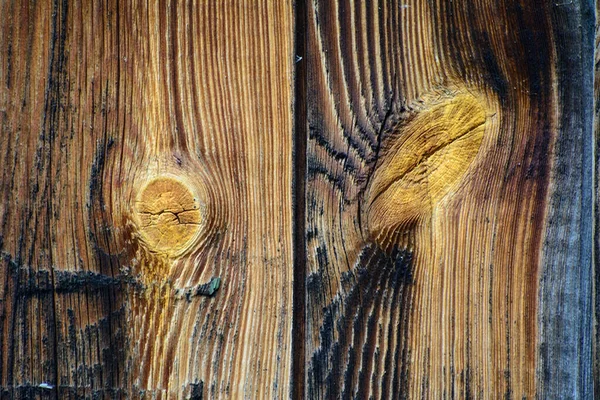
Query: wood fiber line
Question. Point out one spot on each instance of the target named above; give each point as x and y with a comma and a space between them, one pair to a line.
106, 275
477, 221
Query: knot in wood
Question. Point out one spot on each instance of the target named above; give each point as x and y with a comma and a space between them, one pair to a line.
424, 160
169, 216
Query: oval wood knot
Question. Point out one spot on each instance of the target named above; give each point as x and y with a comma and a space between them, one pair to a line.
424, 160
169, 216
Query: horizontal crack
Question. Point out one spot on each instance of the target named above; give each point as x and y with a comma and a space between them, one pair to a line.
166, 211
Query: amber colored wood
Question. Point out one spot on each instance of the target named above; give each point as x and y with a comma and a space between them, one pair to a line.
146, 154
448, 208
309, 199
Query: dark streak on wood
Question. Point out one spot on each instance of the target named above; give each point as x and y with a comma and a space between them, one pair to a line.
596, 217
565, 360
297, 382
35, 291
340, 368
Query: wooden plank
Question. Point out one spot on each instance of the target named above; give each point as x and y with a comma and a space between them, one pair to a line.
146, 151
596, 217
448, 208
565, 285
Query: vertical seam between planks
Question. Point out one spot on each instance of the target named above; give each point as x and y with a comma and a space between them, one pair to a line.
298, 199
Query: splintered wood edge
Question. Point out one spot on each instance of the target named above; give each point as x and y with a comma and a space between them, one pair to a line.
425, 159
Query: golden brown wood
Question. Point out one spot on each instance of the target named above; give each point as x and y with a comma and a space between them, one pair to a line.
448, 194
144, 145
319, 199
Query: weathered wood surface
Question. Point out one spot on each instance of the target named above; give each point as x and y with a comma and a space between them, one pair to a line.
319, 199
596, 215
448, 208
99, 271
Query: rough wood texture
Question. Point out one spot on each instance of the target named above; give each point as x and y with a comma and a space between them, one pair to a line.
441, 269
596, 215
565, 286
319, 198
145, 149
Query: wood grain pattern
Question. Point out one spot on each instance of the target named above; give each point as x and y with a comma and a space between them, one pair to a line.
564, 324
98, 99
307, 199
596, 214
464, 293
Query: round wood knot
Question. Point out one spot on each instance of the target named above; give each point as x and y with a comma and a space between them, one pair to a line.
169, 216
